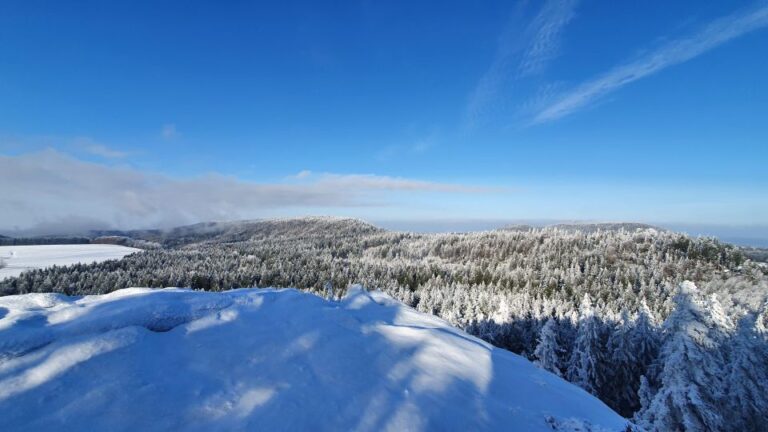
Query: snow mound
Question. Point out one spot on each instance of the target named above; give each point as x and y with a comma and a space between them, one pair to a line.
173, 359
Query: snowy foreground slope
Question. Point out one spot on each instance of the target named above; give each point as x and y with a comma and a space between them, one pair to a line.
142, 359
19, 259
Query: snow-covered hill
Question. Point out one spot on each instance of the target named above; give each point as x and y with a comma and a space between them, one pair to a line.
142, 359
19, 259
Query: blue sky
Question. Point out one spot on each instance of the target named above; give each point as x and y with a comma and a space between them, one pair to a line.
137, 114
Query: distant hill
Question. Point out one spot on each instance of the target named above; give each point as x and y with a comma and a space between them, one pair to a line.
609, 226
42, 240
236, 231
755, 254
228, 232
517, 227
585, 227
126, 241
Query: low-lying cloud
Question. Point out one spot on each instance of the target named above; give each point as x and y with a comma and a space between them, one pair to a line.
41, 189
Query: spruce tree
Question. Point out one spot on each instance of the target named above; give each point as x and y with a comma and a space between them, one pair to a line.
587, 350
547, 350
620, 368
689, 370
747, 375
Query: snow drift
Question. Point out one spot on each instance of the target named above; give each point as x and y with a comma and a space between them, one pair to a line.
173, 359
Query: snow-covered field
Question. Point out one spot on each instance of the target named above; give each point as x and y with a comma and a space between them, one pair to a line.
172, 359
22, 258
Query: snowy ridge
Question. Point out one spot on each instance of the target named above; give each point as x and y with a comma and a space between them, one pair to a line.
142, 359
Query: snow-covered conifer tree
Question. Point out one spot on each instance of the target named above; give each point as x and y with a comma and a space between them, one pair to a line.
548, 350
747, 374
587, 350
689, 370
644, 340
620, 368
644, 393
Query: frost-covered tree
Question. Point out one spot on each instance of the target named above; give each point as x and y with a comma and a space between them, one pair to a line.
328, 290
644, 340
722, 324
547, 353
689, 370
631, 349
747, 376
645, 392
587, 352
621, 367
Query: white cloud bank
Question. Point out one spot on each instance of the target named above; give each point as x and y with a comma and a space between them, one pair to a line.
677, 51
49, 186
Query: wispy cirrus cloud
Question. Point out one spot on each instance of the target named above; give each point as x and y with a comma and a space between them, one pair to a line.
302, 174
674, 52
547, 29
410, 148
522, 51
51, 186
78, 144
376, 182
96, 148
169, 132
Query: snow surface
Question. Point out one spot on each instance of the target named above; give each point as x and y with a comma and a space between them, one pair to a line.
250, 359
19, 259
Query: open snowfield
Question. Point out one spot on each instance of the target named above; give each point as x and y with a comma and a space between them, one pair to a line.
172, 359
19, 259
